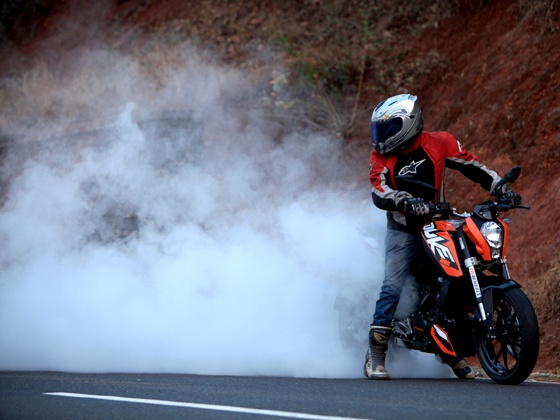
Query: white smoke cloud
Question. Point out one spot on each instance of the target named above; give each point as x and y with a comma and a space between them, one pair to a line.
213, 242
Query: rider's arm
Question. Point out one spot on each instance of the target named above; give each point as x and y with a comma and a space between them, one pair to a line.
468, 164
384, 196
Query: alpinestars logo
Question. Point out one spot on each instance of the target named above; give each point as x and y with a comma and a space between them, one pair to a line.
411, 168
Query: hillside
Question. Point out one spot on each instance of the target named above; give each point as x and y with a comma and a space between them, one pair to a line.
488, 72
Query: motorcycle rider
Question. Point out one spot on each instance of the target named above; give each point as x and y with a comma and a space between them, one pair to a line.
402, 147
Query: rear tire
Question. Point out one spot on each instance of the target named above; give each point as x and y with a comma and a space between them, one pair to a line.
510, 357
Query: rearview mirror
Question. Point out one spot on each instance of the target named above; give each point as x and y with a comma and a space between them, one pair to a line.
511, 176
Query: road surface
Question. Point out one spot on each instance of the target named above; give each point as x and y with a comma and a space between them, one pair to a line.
52, 395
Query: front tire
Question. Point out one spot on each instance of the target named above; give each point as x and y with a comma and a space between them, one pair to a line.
510, 357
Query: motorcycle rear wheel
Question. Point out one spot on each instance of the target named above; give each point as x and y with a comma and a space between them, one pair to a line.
510, 358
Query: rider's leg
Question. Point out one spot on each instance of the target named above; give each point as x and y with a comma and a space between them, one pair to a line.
374, 367
400, 248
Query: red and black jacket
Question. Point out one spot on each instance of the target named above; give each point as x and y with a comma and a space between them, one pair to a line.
426, 159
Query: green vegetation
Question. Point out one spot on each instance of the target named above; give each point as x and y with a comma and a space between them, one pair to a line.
333, 46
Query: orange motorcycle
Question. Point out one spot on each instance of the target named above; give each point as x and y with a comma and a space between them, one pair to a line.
469, 304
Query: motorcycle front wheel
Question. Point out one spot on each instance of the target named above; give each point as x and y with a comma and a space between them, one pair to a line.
510, 357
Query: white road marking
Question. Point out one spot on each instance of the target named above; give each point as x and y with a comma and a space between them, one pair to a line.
229, 408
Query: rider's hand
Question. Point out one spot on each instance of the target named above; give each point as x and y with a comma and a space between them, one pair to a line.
505, 193
413, 206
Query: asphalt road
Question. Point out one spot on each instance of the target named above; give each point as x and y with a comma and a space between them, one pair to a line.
53, 395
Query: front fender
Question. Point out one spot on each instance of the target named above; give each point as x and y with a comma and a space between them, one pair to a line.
487, 290
487, 298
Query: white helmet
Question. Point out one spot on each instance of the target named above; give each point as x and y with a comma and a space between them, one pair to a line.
395, 121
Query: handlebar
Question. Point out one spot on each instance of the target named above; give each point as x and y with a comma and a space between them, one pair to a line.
444, 210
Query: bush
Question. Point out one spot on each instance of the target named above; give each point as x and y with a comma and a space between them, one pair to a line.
544, 295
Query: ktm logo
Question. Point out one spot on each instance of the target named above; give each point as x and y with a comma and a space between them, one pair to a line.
411, 168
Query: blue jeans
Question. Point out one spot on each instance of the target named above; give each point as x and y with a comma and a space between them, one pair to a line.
400, 248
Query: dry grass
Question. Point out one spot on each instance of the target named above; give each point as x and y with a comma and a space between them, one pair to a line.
85, 90
332, 47
543, 292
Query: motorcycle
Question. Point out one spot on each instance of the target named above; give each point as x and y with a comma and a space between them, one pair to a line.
469, 304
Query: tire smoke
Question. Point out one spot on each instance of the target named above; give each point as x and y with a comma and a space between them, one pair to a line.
192, 233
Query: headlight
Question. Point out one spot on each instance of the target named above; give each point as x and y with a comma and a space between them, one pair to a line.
494, 235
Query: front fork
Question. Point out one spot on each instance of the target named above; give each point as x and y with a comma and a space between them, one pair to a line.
484, 299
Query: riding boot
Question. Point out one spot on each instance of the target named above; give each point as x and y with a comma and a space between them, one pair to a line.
374, 367
460, 367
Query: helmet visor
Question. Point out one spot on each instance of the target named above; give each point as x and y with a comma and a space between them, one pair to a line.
384, 130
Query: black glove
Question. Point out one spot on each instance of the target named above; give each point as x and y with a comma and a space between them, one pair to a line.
413, 206
505, 193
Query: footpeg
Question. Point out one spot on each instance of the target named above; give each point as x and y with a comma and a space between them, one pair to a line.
404, 334
403, 328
